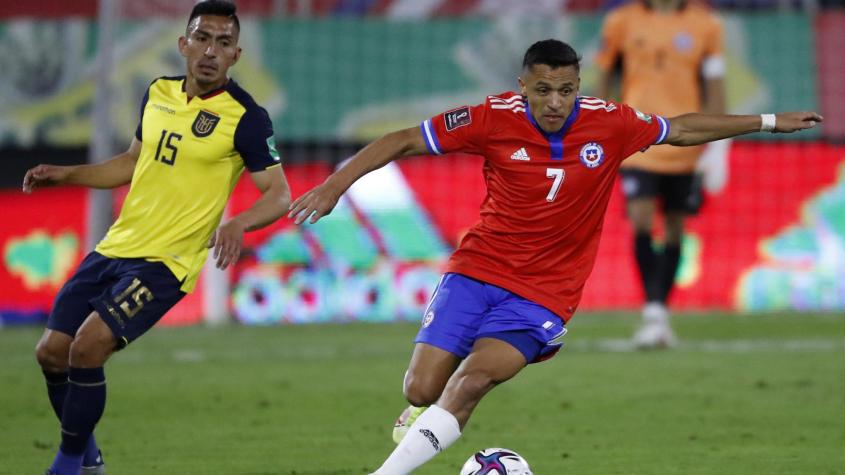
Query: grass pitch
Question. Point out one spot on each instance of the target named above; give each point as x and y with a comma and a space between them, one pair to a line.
740, 395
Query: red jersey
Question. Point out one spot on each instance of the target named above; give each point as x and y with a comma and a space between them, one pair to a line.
546, 193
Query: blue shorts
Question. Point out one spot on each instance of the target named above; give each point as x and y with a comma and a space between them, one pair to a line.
130, 295
463, 310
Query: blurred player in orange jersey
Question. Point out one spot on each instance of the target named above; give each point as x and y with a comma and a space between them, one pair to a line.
669, 53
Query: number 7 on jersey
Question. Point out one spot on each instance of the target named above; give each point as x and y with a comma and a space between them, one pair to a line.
557, 174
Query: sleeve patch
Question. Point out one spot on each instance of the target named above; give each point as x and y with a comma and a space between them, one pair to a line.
643, 117
271, 145
457, 118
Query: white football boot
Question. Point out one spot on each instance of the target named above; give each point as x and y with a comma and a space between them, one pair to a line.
655, 332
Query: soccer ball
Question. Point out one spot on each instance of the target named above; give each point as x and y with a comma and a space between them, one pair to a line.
496, 462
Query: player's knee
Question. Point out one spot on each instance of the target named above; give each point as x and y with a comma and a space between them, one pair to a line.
674, 229
641, 216
419, 392
673, 240
51, 358
88, 353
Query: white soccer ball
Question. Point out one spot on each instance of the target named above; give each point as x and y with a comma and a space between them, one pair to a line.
496, 461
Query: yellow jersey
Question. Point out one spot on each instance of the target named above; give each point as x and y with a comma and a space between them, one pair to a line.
193, 150
661, 55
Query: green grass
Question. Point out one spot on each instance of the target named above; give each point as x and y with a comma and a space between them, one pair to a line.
740, 395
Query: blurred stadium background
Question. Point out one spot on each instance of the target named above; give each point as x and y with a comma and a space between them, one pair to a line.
337, 73
755, 386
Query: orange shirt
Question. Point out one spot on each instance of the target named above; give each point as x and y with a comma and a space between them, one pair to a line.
662, 54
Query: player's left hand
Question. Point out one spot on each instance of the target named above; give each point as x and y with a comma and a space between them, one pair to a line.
227, 242
794, 121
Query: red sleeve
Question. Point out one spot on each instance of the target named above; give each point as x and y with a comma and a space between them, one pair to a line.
457, 130
641, 130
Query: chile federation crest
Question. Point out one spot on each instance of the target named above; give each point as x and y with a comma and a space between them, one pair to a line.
592, 155
205, 123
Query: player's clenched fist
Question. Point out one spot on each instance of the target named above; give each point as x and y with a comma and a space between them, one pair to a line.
44, 175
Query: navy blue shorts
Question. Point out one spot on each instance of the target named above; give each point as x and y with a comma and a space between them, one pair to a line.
463, 310
679, 193
130, 295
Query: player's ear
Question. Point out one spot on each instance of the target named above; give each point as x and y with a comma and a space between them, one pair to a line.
237, 55
183, 46
521, 85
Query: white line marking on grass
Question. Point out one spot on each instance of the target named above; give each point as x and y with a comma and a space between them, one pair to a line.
714, 346
189, 356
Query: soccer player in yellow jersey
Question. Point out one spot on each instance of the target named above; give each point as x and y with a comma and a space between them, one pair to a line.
196, 135
670, 55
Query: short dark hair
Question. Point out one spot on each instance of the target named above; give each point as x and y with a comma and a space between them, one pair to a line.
216, 7
552, 53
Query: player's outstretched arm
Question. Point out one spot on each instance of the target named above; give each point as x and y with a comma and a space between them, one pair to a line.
696, 129
227, 240
321, 200
115, 172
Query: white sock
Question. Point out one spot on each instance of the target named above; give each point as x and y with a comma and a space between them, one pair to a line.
432, 432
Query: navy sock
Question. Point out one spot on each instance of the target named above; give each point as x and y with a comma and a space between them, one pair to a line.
647, 264
668, 269
57, 387
84, 404
56, 390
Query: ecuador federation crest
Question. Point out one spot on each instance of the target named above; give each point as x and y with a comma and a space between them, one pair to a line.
205, 123
592, 155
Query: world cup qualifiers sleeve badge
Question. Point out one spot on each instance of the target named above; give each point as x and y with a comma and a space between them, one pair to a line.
457, 118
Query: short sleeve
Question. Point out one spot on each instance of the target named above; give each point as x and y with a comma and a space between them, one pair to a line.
611, 41
712, 61
641, 130
457, 130
138, 131
714, 44
255, 141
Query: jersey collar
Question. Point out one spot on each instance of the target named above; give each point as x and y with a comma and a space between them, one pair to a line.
209, 94
573, 116
555, 139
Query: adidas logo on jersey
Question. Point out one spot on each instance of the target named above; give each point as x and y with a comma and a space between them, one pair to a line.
520, 154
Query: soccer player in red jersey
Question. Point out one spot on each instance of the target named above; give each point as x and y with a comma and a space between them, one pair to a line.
551, 157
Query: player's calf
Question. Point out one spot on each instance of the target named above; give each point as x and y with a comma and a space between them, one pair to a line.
421, 393
464, 392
